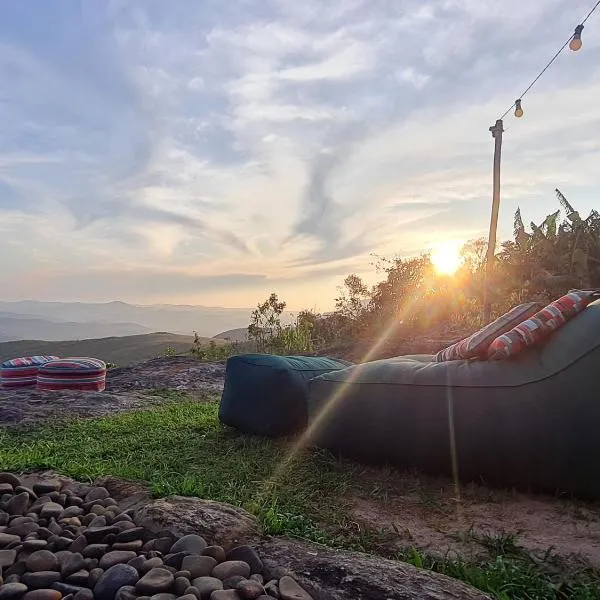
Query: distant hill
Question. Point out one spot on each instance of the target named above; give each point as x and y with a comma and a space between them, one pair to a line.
119, 350
233, 335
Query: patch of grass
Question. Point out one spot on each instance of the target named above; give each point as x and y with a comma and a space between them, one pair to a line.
180, 448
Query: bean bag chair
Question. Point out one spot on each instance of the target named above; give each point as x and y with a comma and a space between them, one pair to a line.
531, 420
76, 373
22, 372
267, 395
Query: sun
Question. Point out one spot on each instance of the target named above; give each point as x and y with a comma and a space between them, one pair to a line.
446, 258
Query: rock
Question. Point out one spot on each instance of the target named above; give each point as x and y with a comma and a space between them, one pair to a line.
192, 591
161, 544
50, 510
7, 558
135, 545
250, 590
198, 566
6, 488
183, 573
231, 583
98, 521
248, 555
115, 557
71, 564
290, 589
258, 577
22, 529
95, 575
189, 596
93, 550
127, 592
18, 504
217, 552
84, 594
80, 578
181, 584
43, 595
225, 595
340, 575
112, 580
137, 563
23, 488
42, 560
54, 527
223, 524
175, 560
40, 579
130, 535
17, 569
155, 581
33, 545
10, 479
46, 487
207, 585
152, 563
230, 568
71, 511
97, 493
96, 534
163, 596
272, 589
12, 591
65, 588
7, 538
189, 543
4, 518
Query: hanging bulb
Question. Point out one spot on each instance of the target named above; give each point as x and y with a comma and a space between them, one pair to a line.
576, 42
518, 109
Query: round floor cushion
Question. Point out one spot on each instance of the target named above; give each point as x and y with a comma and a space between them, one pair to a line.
23, 371
75, 373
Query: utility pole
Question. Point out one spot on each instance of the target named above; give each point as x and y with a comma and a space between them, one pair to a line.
496, 131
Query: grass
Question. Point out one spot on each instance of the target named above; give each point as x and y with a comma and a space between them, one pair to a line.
180, 448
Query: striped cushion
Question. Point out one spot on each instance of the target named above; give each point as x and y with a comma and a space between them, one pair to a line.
478, 343
22, 372
534, 330
75, 373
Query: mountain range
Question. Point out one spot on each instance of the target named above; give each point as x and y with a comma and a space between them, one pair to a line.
54, 321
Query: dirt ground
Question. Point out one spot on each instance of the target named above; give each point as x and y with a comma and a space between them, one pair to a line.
424, 512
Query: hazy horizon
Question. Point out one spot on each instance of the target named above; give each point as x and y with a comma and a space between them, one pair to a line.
210, 153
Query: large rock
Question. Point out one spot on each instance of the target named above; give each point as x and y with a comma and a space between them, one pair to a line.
220, 523
337, 575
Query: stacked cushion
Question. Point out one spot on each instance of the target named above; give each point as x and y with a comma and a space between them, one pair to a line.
536, 329
477, 344
76, 373
22, 372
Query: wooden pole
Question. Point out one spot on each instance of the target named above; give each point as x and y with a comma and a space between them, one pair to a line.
496, 130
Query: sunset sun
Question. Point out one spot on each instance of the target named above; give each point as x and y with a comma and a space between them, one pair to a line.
446, 258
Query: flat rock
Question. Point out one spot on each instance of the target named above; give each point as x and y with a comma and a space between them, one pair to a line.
339, 575
222, 523
115, 578
155, 581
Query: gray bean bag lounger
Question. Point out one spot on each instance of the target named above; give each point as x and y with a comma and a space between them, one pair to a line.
532, 421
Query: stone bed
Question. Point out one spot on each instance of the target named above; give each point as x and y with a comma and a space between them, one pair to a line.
62, 540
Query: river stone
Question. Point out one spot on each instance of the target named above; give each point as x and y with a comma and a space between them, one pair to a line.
115, 557
6, 488
189, 543
28, 490
130, 535
84, 594
193, 591
97, 534
18, 504
181, 584
66, 588
10, 478
250, 590
127, 592
33, 544
155, 581
42, 560
43, 595
113, 579
230, 568
97, 493
50, 510
71, 511
207, 585
40, 579
94, 550
94, 577
152, 563
225, 595
98, 521
54, 527
248, 555
12, 591
231, 583
189, 596
22, 529
47, 486
7, 558
4, 518
131, 546
258, 577
272, 589
290, 589
163, 596
80, 578
7, 539
198, 566
137, 563
71, 564
175, 560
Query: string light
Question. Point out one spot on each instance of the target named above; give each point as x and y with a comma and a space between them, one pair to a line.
518, 109
576, 43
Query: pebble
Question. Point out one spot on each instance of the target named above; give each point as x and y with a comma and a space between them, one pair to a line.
230, 568
198, 566
152, 563
18, 504
217, 552
10, 478
6, 488
46, 487
54, 527
163, 596
12, 591
42, 560
71, 564
134, 545
183, 573
130, 535
40, 579
248, 555
225, 595
95, 575
189, 596
80, 578
181, 584
137, 563
33, 545
162, 544
113, 579
8, 538
207, 585
115, 557
175, 560
258, 577
71, 511
4, 518
98, 521
50, 510
155, 581
250, 590
97, 493
65, 588
272, 588
43, 595
290, 589
231, 583
22, 529
96, 534
127, 592
84, 594
7, 558
23, 488
192, 591
189, 543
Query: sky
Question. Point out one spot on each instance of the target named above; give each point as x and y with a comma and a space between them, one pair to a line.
210, 152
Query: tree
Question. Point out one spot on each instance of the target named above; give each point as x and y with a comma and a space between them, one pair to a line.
265, 325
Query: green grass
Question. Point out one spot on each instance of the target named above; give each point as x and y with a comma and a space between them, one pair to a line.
180, 448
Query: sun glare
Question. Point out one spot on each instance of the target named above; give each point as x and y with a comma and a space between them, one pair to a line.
446, 258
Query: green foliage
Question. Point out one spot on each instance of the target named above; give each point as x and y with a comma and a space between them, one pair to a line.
212, 352
169, 352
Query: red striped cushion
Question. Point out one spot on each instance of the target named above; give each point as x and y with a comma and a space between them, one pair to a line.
75, 373
22, 372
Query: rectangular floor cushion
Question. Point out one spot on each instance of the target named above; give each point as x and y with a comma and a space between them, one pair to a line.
74, 373
22, 372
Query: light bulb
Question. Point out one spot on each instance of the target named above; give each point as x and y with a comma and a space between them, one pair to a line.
576, 43
518, 109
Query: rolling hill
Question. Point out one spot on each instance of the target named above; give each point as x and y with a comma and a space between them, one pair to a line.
122, 351
233, 335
